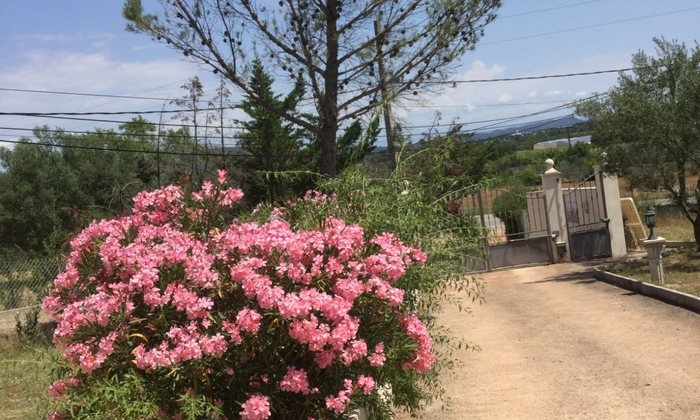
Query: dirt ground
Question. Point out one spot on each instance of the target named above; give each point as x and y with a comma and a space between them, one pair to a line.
557, 344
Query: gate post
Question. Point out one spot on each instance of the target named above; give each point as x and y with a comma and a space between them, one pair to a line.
613, 211
556, 212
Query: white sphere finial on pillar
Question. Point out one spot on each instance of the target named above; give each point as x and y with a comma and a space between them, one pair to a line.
549, 164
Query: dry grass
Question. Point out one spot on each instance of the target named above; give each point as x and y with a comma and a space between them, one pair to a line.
681, 270
673, 227
24, 379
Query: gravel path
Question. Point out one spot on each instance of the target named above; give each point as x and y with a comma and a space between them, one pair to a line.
557, 344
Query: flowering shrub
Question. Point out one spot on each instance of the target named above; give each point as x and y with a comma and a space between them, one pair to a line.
176, 312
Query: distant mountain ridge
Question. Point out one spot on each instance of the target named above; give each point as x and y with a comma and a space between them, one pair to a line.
527, 128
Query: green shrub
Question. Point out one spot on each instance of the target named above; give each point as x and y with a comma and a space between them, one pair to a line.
509, 206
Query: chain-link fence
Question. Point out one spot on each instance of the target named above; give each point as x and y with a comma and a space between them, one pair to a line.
26, 282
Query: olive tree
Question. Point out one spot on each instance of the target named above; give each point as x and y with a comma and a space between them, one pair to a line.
649, 124
337, 46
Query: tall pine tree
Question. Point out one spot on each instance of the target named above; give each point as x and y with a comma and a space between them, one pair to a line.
272, 144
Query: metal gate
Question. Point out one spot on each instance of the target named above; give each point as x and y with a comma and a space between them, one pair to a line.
515, 227
586, 220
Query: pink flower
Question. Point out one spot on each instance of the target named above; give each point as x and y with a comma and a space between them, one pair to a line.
256, 408
377, 358
58, 389
248, 320
366, 383
340, 403
295, 381
172, 283
222, 176
424, 358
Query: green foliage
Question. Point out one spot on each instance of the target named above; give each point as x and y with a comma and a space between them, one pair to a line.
528, 177
450, 156
27, 330
54, 184
120, 396
413, 207
647, 124
509, 206
280, 160
579, 158
270, 144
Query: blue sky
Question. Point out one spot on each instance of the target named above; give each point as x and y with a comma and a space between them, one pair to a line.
81, 46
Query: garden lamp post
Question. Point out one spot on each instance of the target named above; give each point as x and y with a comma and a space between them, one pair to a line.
650, 218
654, 248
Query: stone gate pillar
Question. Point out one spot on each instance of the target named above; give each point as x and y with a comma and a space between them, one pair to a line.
556, 212
613, 209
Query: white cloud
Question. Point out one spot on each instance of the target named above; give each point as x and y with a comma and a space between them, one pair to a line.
65, 37
553, 93
532, 94
98, 73
581, 93
505, 98
94, 73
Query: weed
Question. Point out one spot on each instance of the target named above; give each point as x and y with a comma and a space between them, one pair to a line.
27, 331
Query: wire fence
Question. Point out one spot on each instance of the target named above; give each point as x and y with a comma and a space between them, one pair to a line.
26, 282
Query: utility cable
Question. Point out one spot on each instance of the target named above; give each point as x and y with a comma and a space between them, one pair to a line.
598, 25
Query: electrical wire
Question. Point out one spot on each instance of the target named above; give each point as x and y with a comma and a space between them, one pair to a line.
549, 76
548, 10
598, 25
154, 152
94, 95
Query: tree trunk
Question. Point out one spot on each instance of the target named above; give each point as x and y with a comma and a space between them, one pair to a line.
329, 106
328, 151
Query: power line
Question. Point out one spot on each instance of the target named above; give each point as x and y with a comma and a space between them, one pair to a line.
591, 26
52, 114
95, 95
512, 79
243, 128
204, 127
563, 101
153, 152
548, 10
542, 124
549, 76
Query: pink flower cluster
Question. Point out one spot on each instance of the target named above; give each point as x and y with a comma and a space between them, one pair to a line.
424, 358
296, 380
339, 403
256, 408
145, 288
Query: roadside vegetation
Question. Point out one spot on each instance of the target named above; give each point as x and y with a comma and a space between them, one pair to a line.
681, 270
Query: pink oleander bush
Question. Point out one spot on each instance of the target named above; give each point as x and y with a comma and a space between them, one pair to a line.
181, 311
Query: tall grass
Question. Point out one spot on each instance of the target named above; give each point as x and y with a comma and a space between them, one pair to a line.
673, 227
25, 376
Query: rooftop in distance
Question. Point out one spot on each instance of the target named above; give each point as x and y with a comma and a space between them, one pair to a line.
554, 144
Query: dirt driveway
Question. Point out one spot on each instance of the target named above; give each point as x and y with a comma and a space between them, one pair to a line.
557, 344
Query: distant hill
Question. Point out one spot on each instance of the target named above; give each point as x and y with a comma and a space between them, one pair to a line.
528, 128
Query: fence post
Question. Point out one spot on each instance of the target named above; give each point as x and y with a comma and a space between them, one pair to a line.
487, 259
554, 199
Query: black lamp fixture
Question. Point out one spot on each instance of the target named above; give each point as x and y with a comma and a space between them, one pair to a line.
650, 218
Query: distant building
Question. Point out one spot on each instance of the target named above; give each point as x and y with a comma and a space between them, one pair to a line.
555, 144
